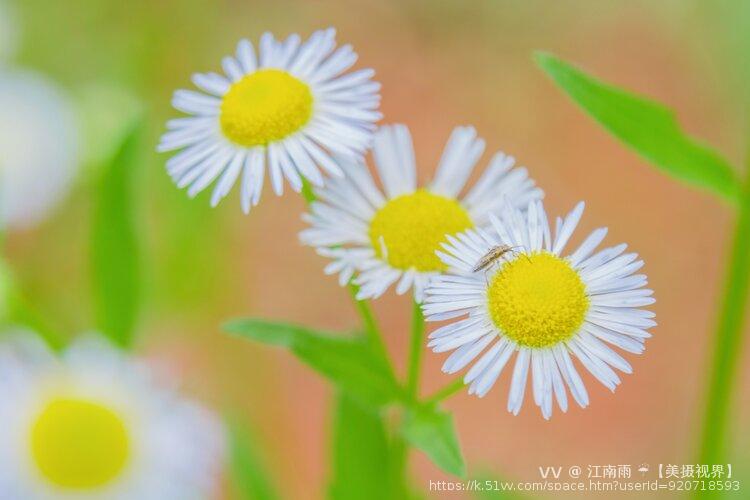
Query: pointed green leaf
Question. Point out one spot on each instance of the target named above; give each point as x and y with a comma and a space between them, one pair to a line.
647, 127
348, 362
247, 471
360, 452
114, 246
432, 431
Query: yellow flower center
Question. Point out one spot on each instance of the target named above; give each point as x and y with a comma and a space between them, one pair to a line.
264, 107
537, 301
412, 226
79, 444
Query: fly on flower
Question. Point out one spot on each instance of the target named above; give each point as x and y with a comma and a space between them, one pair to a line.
286, 109
543, 307
393, 238
93, 424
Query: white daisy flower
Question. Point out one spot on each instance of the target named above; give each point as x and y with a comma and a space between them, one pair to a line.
288, 108
393, 237
93, 424
533, 301
38, 147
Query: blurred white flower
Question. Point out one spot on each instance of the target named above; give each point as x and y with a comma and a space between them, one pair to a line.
38, 147
93, 423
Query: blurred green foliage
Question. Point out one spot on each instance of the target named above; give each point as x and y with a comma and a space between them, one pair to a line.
114, 247
248, 472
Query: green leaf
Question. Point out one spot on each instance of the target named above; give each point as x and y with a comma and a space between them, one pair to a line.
432, 431
248, 474
360, 452
647, 127
348, 362
114, 246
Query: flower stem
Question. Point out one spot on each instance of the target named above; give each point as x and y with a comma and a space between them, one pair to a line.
415, 353
308, 193
397, 473
446, 392
372, 332
396, 484
728, 339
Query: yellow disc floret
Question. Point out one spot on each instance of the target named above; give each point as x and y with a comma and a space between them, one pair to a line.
410, 227
537, 300
264, 107
79, 444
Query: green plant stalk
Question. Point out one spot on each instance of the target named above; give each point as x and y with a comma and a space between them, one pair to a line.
396, 485
308, 192
728, 343
446, 392
397, 477
372, 332
399, 446
415, 353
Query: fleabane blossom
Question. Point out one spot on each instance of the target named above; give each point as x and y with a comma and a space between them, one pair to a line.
94, 423
391, 237
285, 108
538, 308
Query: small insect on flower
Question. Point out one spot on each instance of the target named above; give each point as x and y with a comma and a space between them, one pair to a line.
493, 255
546, 309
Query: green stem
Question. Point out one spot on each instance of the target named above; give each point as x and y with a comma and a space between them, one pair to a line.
398, 465
415, 352
363, 307
396, 470
446, 392
728, 343
308, 192
372, 332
